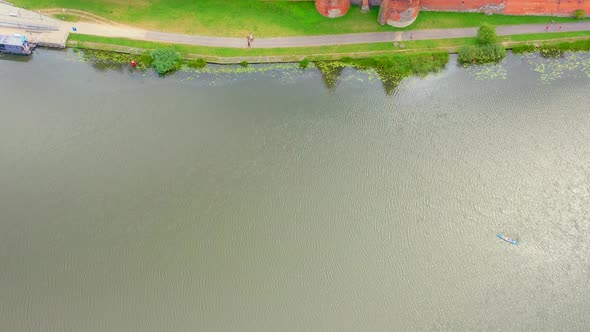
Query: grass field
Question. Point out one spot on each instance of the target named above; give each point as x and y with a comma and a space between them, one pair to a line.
237, 18
67, 17
79, 40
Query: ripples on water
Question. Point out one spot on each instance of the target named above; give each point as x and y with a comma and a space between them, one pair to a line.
259, 200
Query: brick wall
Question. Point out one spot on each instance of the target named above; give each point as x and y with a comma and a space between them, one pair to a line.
546, 7
457, 5
510, 7
406, 10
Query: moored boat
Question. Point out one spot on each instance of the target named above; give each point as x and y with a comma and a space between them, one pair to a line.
15, 44
507, 239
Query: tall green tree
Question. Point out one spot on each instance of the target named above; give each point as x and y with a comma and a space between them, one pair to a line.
486, 35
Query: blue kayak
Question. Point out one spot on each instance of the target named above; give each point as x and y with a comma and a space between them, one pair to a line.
507, 239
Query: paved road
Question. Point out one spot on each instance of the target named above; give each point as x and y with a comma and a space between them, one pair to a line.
357, 38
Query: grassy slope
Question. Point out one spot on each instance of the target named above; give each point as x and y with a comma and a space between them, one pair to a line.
263, 18
411, 46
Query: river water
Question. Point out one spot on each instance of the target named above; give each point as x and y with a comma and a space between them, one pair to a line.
262, 200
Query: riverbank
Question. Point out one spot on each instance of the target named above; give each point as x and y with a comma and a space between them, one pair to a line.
391, 66
222, 55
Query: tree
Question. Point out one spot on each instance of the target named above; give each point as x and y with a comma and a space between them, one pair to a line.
486, 35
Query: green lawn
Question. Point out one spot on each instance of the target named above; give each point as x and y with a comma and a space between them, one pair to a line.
445, 20
67, 17
237, 18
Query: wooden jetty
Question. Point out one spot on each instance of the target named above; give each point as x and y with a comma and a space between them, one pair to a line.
39, 30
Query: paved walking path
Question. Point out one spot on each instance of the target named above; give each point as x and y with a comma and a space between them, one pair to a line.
357, 38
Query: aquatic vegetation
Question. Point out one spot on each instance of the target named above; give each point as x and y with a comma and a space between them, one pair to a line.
331, 71
552, 68
214, 74
551, 52
490, 72
103, 60
391, 69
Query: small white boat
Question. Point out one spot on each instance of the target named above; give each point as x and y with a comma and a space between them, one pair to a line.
507, 239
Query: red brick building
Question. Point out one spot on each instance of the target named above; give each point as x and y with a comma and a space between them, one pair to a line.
332, 8
402, 13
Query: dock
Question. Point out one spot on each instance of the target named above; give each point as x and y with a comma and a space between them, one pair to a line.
40, 30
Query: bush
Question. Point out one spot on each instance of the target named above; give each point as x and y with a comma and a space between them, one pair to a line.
493, 53
196, 64
579, 14
481, 54
486, 34
303, 63
244, 63
165, 60
467, 54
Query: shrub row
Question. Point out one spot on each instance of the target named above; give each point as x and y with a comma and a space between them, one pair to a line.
162, 60
575, 46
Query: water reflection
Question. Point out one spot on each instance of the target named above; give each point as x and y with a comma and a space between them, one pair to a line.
15, 58
331, 72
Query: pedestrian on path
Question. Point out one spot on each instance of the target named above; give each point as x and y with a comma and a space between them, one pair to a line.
547, 28
559, 27
250, 40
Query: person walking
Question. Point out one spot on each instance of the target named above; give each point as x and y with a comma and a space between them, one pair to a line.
250, 40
